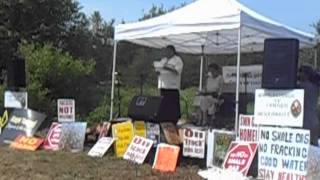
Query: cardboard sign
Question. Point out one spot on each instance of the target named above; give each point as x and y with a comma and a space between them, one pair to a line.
139, 128
66, 110
170, 133
218, 142
166, 158
240, 156
14, 99
248, 130
53, 137
279, 107
138, 149
250, 77
101, 147
26, 143
153, 133
21, 122
123, 134
104, 129
283, 153
194, 143
73, 136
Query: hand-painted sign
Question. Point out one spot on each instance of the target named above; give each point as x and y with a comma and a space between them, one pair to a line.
123, 134
66, 110
166, 158
194, 143
248, 130
26, 143
101, 147
53, 137
139, 128
138, 149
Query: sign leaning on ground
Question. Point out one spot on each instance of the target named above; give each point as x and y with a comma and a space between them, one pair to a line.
194, 143
139, 128
138, 149
66, 110
53, 137
166, 158
279, 107
248, 130
283, 153
153, 133
101, 147
123, 134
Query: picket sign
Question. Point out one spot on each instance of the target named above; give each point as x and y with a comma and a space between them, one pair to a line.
138, 149
101, 147
26, 143
123, 134
53, 137
66, 110
194, 143
166, 158
248, 129
139, 128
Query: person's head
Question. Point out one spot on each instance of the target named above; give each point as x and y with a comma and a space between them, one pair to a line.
169, 51
215, 69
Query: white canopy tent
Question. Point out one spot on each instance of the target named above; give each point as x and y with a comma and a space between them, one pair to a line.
208, 27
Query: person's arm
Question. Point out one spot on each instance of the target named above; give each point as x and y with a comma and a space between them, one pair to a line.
174, 65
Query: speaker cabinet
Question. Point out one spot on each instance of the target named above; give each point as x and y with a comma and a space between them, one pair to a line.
145, 108
16, 74
280, 63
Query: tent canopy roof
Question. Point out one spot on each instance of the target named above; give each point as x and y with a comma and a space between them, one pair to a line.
212, 24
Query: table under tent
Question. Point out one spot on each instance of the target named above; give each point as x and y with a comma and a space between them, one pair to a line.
208, 27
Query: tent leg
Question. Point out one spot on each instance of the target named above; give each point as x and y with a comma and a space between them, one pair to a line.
113, 78
201, 68
236, 124
315, 58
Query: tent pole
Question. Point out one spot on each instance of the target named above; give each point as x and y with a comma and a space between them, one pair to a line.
113, 78
236, 124
315, 58
201, 67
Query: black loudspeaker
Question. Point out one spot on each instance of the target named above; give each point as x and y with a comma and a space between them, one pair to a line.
145, 108
280, 63
16, 73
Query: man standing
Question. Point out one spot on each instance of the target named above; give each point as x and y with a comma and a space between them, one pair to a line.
169, 71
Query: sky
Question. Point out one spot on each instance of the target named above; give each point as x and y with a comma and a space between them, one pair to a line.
299, 14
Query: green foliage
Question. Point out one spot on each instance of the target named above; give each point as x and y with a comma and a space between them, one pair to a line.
53, 74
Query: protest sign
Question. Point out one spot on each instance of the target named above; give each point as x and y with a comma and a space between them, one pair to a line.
123, 134
73, 136
250, 77
26, 143
21, 122
248, 130
170, 133
218, 142
139, 128
3, 120
283, 153
101, 147
14, 99
153, 133
166, 158
53, 137
66, 110
240, 156
279, 107
138, 149
104, 130
194, 143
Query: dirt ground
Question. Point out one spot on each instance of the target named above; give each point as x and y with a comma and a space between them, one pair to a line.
18, 164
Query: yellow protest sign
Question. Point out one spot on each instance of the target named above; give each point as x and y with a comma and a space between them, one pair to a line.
123, 134
3, 120
140, 128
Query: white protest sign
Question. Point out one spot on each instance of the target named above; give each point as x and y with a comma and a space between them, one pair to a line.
153, 133
15, 99
248, 130
250, 77
138, 149
66, 110
194, 143
101, 147
283, 153
279, 107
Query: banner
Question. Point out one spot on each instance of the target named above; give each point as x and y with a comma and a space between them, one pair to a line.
14, 99
53, 137
101, 147
166, 158
138, 149
250, 77
248, 130
26, 143
279, 107
66, 110
170, 133
21, 122
240, 156
194, 143
73, 136
283, 153
153, 133
123, 134
139, 128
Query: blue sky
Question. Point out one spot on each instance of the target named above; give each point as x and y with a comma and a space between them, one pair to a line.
300, 14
